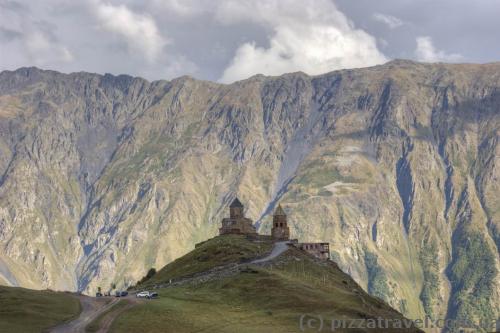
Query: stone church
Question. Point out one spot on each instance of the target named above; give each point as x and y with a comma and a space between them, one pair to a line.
238, 224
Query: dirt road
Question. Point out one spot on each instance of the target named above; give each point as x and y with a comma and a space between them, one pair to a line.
92, 307
227, 270
108, 319
279, 248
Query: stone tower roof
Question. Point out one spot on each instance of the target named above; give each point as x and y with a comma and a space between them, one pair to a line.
279, 211
236, 203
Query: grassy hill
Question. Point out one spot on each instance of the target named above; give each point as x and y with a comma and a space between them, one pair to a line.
269, 297
24, 310
218, 251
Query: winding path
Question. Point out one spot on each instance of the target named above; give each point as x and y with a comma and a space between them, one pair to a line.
108, 319
227, 270
91, 308
278, 249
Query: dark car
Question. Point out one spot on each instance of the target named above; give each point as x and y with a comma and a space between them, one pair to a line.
124, 293
98, 295
153, 295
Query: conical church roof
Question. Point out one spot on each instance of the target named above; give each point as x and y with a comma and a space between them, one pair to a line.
279, 211
236, 203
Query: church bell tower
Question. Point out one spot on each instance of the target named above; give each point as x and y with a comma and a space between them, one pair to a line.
280, 230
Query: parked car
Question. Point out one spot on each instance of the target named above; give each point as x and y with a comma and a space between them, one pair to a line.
142, 294
98, 295
152, 295
124, 293
118, 293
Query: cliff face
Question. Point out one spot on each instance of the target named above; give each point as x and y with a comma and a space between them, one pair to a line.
397, 166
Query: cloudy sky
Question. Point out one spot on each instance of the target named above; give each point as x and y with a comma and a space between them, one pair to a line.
229, 40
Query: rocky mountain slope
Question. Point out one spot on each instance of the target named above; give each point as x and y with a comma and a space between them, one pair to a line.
397, 166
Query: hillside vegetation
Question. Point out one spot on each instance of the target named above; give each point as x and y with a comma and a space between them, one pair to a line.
33, 311
257, 298
218, 251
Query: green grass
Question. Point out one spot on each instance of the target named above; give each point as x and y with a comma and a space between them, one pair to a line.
215, 252
96, 323
24, 310
319, 177
256, 299
318, 174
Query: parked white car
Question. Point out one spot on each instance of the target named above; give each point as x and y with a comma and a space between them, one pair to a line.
142, 294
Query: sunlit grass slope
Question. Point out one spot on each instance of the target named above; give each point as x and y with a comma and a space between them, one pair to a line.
25, 310
269, 298
218, 251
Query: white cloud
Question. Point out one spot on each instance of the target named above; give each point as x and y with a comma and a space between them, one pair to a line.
315, 38
428, 53
178, 66
29, 41
181, 8
66, 54
233, 39
389, 20
40, 48
138, 30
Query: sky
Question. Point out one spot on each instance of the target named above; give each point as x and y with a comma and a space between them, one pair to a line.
230, 40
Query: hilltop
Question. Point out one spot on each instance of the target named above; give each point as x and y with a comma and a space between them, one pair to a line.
216, 287
229, 283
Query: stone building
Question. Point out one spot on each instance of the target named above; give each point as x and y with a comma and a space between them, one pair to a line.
237, 223
319, 250
280, 230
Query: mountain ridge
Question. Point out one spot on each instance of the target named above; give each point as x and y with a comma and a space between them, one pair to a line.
396, 165
396, 62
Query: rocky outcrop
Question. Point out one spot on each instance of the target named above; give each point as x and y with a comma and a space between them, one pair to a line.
103, 177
